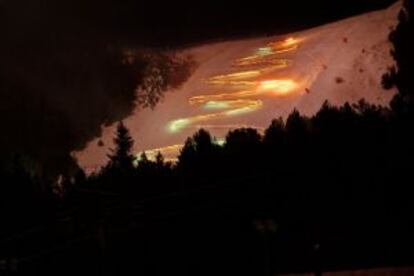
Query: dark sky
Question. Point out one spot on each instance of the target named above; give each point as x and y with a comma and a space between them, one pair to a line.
58, 85
166, 22
188, 21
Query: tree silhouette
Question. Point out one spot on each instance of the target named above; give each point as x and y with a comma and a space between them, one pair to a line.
274, 134
121, 156
243, 141
159, 159
297, 135
187, 154
162, 72
242, 151
198, 159
400, 75
199, 146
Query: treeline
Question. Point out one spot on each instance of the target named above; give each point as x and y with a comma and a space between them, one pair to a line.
354, 159
340, 181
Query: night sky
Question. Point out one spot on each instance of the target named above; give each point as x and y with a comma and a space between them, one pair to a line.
176, 22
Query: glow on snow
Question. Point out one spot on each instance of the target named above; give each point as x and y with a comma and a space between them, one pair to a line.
250, 77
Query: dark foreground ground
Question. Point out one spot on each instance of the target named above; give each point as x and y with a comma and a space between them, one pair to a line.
230, 232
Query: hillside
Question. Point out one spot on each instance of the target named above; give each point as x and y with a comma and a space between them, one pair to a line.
250, 82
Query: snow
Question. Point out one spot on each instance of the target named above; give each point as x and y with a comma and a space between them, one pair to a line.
339, 62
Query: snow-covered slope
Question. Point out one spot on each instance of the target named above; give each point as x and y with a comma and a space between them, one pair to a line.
250, 82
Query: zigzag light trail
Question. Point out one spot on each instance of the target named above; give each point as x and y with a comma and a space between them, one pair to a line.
250, 79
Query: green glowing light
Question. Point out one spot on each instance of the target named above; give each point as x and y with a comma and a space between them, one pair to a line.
178, 124
264, 51
239, 111
220, 142
216, 105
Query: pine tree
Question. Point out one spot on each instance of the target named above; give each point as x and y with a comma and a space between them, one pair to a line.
400, 76
121, 157
187, 154
274, 134
159, 160
144, 163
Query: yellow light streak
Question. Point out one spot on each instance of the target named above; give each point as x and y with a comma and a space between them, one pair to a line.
279, 87
244, 75
241, 107
234, 84
255, 60
288, 45
199, 100
169, 153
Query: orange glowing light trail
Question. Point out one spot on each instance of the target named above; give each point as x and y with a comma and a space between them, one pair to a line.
240, 102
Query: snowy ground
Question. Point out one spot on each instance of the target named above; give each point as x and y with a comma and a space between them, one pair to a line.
339, 62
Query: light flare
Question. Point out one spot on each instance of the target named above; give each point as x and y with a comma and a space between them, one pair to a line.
169, 153
288, 45
227, 104
235, 76
243, 106
243, 76
264, 51
235, 84
279, 87
260, 61
199, 100
179, 124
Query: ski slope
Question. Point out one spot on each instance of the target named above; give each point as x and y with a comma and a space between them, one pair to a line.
247, 83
